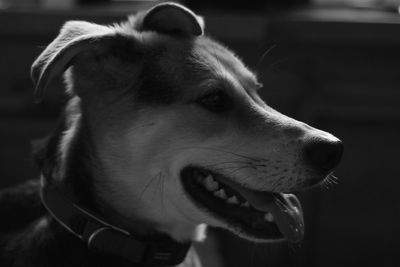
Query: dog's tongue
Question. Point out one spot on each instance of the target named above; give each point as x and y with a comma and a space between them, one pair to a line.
286, 210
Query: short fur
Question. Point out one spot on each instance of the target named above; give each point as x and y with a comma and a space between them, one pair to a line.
134, 119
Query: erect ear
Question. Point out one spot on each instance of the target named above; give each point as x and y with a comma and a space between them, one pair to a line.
172, 18
75, 37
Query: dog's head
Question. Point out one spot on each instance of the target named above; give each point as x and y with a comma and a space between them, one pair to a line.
178, 134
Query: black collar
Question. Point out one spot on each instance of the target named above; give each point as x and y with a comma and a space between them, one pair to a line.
103, 237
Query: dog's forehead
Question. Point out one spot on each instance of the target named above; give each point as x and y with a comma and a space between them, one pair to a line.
222, 63
205, 59
221, 59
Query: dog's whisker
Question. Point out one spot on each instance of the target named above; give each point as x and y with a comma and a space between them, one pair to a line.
226, 162
244, 179
236, 168
334, 176
333, 182
334, 179
328, 183
232, 170
239, 163
224, 151
264, 55
148, 185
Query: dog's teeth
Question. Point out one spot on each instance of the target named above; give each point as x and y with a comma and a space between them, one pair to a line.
245, 204
268, 217
233, 200
210, 184
220, 193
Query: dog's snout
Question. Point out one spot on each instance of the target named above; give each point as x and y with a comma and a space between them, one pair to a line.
323, 155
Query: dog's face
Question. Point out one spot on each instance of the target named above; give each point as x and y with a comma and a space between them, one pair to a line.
182, 137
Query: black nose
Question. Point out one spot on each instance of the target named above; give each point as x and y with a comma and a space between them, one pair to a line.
323, 155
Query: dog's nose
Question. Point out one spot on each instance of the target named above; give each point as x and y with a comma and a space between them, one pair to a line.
323, 155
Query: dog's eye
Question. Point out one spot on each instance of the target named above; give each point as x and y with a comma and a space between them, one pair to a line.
216, 101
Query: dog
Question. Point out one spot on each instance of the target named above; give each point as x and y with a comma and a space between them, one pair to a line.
163, 134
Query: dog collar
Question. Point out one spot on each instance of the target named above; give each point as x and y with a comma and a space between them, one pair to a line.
101, 236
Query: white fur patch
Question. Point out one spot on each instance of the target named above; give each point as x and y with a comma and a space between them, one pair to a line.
200, 233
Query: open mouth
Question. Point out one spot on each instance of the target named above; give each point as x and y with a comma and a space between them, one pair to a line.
256, 214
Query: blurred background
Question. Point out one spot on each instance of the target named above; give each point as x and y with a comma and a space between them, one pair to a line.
334, 64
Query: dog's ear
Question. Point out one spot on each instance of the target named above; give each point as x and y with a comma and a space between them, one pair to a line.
75, 37
172, 18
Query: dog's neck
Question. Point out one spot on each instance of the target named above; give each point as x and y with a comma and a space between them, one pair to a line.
105, 238
73, 172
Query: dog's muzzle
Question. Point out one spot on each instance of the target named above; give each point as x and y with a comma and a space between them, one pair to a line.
257, 214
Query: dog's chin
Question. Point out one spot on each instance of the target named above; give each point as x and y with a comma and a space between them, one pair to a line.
255, 215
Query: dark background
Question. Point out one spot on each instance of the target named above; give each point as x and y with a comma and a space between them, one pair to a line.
336, 67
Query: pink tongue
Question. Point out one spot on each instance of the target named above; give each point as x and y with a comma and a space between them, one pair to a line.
285, 208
